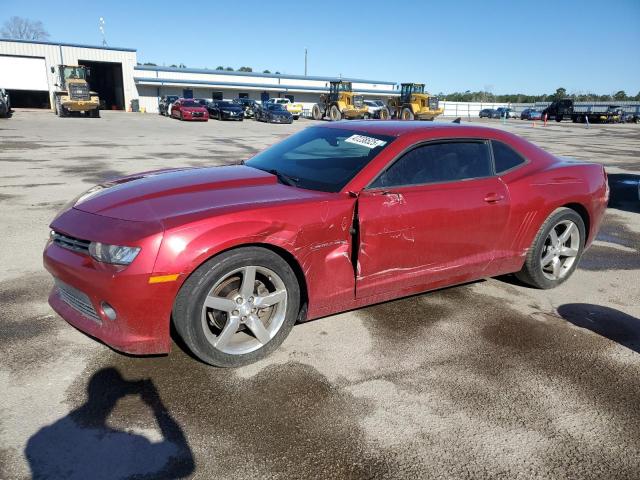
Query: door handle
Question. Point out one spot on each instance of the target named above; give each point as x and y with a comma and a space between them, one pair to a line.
493, 197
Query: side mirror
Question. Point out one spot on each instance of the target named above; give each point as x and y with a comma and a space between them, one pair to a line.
53, 70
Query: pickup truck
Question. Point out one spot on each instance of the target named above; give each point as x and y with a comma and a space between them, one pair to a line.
294, 109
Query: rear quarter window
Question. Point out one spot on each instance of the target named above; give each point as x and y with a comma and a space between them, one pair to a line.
505, 157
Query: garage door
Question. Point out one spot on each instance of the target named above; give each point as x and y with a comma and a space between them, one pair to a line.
23, 73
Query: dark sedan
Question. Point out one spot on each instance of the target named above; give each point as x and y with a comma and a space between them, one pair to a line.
223, 110
487, 113
273, 113
530, 114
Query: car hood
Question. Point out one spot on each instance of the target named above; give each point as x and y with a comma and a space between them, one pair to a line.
179, 195
279, 112
194, 109
231, 109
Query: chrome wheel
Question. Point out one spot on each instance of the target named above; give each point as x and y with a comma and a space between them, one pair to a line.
560, 250
244, 310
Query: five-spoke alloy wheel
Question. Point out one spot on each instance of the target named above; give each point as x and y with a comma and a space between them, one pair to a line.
237, 307
556, 250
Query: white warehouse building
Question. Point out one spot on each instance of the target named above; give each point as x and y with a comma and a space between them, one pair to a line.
25, 72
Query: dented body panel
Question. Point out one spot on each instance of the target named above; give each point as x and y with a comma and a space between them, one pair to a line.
350, 248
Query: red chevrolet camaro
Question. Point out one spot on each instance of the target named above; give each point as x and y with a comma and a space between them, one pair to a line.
333, 218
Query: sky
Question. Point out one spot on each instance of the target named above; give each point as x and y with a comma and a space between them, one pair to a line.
503, 46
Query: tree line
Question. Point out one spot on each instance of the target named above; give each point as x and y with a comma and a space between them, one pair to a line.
560, 93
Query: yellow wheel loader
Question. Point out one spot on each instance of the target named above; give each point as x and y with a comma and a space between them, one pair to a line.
72, 95
414, 103
339, 103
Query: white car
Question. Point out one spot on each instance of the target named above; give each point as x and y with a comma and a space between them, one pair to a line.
374, 107
295, 109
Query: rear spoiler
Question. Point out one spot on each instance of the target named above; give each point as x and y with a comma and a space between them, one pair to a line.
457, 120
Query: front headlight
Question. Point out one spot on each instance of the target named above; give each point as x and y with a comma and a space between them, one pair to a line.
114, 254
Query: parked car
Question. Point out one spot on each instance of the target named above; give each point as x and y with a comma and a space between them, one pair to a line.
225, 110
189, 109
231, 257
531, 114
248, 105
164, 107
632, 116
5, 104
375, 107
487, 113
273, 113
295, 109
502, 112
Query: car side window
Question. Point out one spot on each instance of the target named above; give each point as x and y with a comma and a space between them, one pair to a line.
505, 157
438, 162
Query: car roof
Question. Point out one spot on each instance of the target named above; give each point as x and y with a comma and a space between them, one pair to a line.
397, 128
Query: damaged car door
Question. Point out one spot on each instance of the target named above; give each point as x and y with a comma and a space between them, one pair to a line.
434, 216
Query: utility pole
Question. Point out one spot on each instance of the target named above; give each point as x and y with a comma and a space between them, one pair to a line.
305, 62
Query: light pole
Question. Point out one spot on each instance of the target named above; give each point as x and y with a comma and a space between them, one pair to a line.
305, 62
101, 28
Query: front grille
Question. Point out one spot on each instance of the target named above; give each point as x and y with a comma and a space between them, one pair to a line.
79, 92
433, 103
196, 114
70, 243
358, 101
77, 300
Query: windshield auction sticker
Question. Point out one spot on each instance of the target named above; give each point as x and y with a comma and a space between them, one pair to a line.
365, 141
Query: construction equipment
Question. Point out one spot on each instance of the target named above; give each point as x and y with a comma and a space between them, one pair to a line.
72, 95
414, 103
339, 103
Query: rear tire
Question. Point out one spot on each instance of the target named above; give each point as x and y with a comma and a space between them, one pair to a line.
226, 322
384, 114
559, 118
549, 251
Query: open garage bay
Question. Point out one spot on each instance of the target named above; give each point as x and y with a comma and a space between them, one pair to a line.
485, 380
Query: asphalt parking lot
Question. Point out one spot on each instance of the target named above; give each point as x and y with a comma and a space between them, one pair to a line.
486, 380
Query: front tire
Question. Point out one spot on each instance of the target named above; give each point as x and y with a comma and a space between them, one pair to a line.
556, 250
335, 114
238, 307
407, 114
316, 113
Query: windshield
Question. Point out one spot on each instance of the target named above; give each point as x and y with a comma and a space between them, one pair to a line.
418, 89
190, 103
74, 73
226, 104
275, 106
320, 158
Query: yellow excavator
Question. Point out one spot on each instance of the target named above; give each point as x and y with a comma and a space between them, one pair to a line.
72, 95
339, 103
414, 103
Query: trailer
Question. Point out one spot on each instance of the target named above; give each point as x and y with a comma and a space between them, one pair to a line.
565, 109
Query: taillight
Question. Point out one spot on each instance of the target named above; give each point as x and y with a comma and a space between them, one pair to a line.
607, 190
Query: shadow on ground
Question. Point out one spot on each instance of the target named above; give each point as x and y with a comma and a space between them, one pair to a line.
608, 322
82, 445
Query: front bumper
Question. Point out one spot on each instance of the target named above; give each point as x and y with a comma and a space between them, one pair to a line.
428, 115
355, 113
82, 285
80, 105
